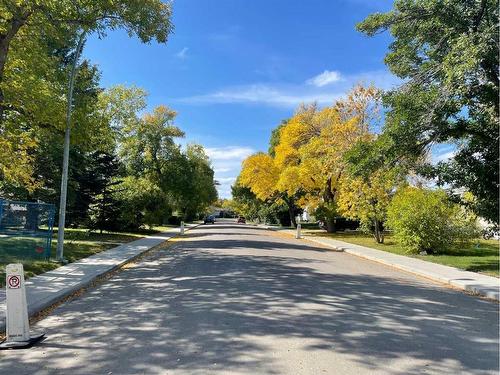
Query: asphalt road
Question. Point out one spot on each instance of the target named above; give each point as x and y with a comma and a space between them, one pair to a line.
234, 299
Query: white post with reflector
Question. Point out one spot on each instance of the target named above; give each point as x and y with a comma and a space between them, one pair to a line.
182, 228
297, 235
18, 328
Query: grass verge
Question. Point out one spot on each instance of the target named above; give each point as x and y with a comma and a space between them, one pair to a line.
482, 256
78, 244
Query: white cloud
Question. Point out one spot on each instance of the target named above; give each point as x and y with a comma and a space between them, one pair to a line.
224, 191
324, 78
445, 156
226, 162
182, 54
442, 153
262, 94
226, 180
229, 153
224, 187
288, 95
222, 170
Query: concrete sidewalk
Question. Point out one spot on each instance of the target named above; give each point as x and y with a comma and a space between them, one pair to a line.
50, 287
486, 286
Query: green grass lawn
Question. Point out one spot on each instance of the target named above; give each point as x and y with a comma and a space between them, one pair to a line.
78, 244
482, 256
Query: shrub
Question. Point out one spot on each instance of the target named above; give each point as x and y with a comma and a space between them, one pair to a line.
268, 214
426, 220
141, 203
327, 212
174, 220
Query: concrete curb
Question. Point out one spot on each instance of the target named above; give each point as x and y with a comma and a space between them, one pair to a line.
292, 233
472, 282
334, 247
47, 289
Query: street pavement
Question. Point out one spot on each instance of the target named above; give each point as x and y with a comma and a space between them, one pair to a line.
235, 299
472, 282
50, 287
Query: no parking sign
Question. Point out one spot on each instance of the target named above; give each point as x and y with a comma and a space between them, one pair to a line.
14, 281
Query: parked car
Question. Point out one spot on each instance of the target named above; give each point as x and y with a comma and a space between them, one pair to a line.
241, 220
209, 219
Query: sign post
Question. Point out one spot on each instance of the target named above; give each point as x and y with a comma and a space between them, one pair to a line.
18, 329
182, 228
297, 235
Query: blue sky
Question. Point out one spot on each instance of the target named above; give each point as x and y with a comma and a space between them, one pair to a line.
233, 69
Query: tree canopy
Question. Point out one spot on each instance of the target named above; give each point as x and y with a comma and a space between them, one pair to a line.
126, 168
37, 42
307, 164
446, 53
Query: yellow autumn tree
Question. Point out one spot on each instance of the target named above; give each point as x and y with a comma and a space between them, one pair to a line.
367, 198
295, 133
308, 166
312, 145
261, 174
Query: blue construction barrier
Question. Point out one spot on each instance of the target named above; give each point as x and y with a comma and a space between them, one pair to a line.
25, 230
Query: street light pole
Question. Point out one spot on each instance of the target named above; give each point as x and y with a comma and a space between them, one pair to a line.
64, 178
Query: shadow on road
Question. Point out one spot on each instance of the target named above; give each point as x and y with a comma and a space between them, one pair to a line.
197, 310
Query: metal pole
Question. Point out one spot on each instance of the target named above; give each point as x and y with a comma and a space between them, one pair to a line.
64, 178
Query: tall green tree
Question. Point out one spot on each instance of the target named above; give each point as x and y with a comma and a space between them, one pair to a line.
34, 175
148, 19
32, 86
141, 203
104, 208
149, 145
119, 106
149, 150
197, 188
446, 53
37, 40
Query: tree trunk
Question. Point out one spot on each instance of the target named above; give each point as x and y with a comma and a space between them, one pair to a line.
377, 231
330, 225
291, 212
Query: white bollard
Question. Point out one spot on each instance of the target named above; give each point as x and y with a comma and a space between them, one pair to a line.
297, 235
182, 228
18, 328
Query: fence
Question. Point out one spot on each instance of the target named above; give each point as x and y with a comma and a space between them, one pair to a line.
25, 230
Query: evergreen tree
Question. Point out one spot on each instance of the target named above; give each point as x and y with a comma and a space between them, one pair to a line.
105, 208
